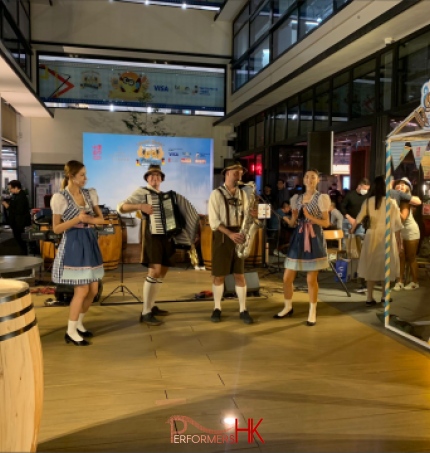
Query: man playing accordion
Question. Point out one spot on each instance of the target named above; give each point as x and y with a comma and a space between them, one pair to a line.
167, 219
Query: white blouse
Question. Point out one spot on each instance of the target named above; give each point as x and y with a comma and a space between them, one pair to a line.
324, 202
59, 202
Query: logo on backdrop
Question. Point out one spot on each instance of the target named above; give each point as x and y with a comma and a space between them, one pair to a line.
150, 152
229, 435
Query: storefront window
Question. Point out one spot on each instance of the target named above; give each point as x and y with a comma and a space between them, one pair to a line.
386, 81
306, 111
280, 123
321, 113
241, 75
413, 68
293, 117
363, 89
260, 133
251, 137
340, 98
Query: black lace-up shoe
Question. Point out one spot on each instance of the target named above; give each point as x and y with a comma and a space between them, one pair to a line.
245, 317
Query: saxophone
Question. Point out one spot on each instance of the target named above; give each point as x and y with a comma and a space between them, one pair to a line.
249, 227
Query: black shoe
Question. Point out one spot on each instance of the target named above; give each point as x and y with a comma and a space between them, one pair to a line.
383, 300
310, 323
370, 303
287, 315
245, 317
150, 319
158, 312
69, 339
86, 334
216, 315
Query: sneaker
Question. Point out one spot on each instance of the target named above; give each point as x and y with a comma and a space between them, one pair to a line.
196, 268
398, 286
202, 268
245, 317
150, 319
216, 315
411, 286
370, 303
158, 311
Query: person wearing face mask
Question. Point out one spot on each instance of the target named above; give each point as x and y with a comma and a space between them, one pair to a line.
351, 205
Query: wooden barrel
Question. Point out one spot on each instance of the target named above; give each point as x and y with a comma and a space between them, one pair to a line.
255, 258
21, 369
110, 246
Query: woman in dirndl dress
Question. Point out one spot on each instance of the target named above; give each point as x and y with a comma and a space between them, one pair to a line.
308, 250
78, 261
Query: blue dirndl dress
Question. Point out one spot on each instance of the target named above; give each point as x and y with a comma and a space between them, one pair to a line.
308, 248
78, 260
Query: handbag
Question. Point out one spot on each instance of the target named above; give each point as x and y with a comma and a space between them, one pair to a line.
366, 219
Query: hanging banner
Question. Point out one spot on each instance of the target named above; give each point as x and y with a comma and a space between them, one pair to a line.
425, 103
399, 151
105, 84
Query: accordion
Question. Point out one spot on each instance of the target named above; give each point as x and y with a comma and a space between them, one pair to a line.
166, 217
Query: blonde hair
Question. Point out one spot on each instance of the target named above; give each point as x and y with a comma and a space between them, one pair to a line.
72, 168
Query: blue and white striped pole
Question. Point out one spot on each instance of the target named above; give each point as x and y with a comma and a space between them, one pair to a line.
387, 288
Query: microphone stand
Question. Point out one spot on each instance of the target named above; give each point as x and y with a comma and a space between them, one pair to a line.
121, 288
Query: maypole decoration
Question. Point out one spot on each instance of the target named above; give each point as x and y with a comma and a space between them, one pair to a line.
387, 289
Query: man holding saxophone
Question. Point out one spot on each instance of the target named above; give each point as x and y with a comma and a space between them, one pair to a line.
228, 206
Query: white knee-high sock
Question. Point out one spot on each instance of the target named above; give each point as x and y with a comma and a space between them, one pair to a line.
218, 292
80, 326
288, 305
312, 312
72, 332
241, 295
149, 289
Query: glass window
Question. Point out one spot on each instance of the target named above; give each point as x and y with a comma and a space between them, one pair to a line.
260, 133
285, 36
10, 39
414, 68
306, 110
251, 137
241, 42
363, 89
241, 75
259, 59
280, 7
386, 80
270, 119
312, 13
260, 24
339, 3
293, 117
241, 20
254, 5
321, 112
12, 7
340, 98
24, 22
280, 123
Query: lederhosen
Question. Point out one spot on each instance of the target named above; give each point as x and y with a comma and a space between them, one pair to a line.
224, 257
158, 248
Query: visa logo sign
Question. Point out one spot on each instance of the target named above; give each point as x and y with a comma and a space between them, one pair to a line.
161, 88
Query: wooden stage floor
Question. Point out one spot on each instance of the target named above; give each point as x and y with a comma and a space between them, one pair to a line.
345, 385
